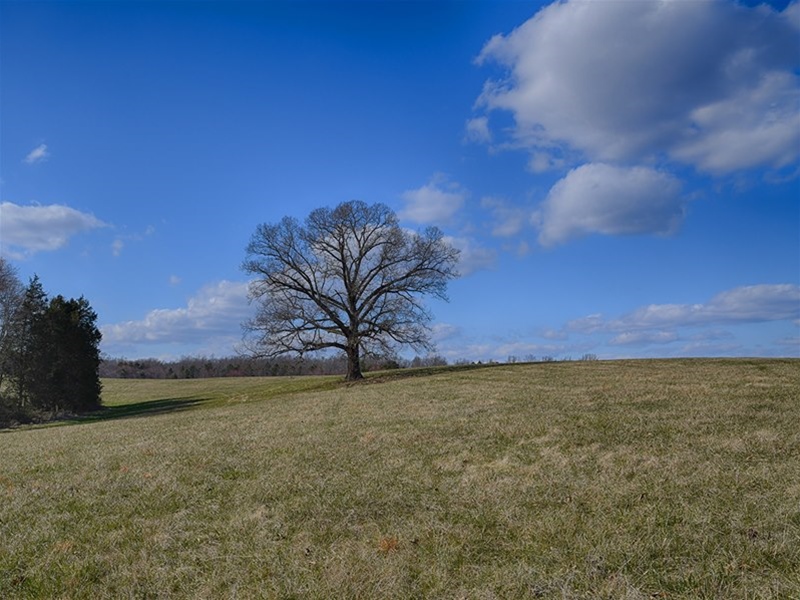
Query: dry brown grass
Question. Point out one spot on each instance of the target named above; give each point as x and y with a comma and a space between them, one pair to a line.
627, 479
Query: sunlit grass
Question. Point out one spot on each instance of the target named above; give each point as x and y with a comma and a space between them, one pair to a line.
641, 479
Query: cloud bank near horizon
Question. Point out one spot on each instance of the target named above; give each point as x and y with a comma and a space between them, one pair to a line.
213, 316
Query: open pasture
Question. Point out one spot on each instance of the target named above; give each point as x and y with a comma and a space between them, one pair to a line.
621, 479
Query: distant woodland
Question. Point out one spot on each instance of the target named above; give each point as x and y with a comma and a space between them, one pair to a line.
193, 367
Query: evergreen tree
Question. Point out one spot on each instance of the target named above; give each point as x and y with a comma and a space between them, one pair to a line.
52, 355
29, 346
75, 358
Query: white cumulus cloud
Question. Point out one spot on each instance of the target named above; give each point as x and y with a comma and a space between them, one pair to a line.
750, 304
746, 304
25, 230
215, 312
601, 198
436, 202
709, 84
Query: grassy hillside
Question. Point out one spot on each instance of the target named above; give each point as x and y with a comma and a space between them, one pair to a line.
640, 479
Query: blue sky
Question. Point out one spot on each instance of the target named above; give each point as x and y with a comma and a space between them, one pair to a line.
621, 177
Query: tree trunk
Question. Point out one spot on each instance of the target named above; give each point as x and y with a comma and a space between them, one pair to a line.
353, 362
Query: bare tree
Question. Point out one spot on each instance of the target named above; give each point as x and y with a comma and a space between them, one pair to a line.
11, 294
349, 278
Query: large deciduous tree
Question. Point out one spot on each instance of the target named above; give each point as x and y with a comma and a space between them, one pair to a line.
348, 278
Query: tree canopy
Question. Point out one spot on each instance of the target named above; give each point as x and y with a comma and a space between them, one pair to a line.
348, 278
49, 351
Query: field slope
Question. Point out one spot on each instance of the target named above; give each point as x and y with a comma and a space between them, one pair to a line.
623, 479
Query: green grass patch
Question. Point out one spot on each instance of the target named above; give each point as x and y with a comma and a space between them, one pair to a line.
623, 479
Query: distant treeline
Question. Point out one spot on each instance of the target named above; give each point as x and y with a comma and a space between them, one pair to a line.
192, 367
243, 366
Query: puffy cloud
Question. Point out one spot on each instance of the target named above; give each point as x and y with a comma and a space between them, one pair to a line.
38, 154
215, 312
25, 230
746, 304
753, 126
600, 198
710, 84
758, 303
436, 202
477, 130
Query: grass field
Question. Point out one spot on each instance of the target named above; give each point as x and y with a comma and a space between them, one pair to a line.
623, 479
